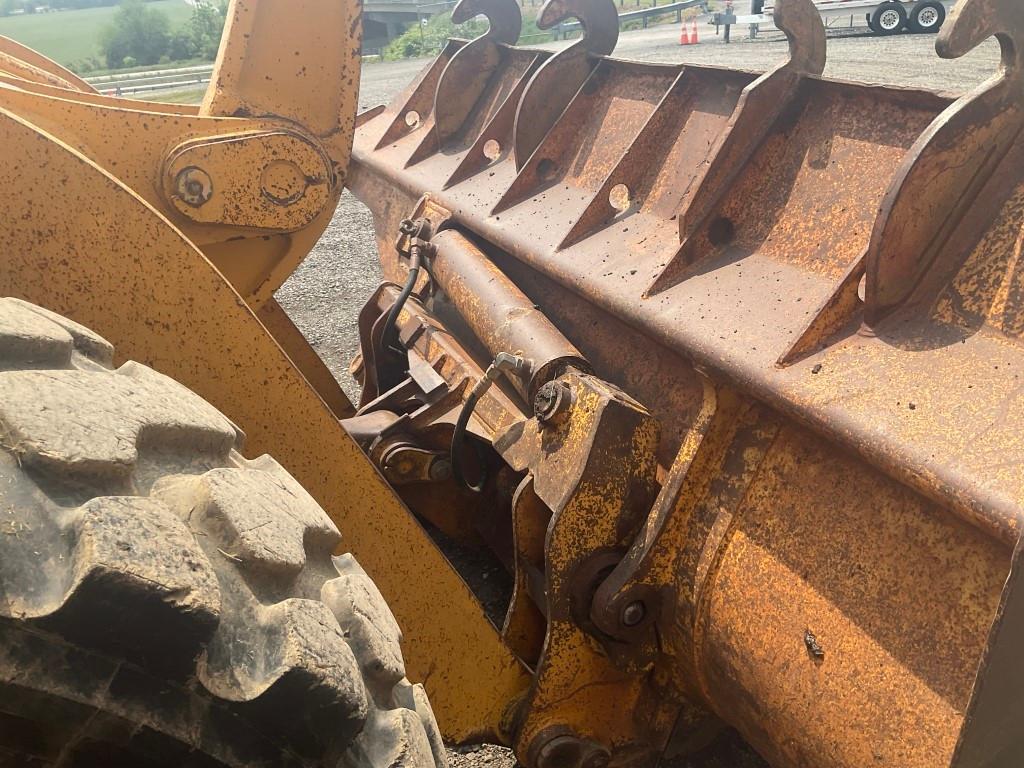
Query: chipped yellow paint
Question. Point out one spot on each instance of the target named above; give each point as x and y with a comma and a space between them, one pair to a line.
91, 231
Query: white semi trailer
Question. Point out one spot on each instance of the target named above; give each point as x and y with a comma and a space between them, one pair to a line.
883, 17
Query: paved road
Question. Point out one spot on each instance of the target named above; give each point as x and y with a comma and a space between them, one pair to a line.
325, 294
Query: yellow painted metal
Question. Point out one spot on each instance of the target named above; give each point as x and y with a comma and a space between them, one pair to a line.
91, 229
294, 107
15, 66
57, 91
304, 358
265, 67
133, 143
901, 621
265, 180
596, 471
21, 60
275, 192
90, 248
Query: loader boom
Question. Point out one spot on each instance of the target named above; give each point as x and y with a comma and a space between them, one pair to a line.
167, 229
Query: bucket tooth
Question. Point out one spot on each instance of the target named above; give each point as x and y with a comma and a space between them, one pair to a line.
590, 137
470, 71
494, 141
674, 144
555, 84
958, 175
467, 75
763, 102
415, 107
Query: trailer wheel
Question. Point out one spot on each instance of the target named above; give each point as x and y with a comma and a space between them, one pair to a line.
888, 18
927, 17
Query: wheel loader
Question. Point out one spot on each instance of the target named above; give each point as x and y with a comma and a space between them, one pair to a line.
719, 371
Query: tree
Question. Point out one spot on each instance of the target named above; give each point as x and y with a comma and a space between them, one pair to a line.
182, 45
137, 32
199, 37
207, 26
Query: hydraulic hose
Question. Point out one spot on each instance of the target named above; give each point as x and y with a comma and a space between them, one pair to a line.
415, 261
459, 442
503, 363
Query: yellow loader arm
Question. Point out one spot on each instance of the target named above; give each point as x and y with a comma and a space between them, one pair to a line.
253, 176
168, 229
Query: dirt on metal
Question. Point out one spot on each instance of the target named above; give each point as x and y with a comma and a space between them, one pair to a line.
799, 248
324, 294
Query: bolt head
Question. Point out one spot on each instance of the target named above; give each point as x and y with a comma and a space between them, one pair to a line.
552, 400
634, 613
283, 183
561, 752
194, 186
441, 470
567, 750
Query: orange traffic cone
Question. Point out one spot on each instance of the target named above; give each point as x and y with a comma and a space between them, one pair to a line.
684, 36
693, 34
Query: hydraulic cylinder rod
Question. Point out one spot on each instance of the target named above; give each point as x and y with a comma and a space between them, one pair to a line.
502, 316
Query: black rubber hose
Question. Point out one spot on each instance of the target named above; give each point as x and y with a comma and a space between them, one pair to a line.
459, 443
396, 308
504, 362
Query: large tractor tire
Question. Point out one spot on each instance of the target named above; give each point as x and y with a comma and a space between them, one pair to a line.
163, 600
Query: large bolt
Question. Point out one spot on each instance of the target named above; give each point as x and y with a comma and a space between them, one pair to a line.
283, 182
441, 469
552, 400
633, 613
194, 186
569, 751
561, 752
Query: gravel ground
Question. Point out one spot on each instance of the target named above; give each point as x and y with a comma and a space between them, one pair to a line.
325, 294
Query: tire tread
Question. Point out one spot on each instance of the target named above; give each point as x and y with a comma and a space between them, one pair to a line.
194, 589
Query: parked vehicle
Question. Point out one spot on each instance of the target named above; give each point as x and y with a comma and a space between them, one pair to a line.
883, 18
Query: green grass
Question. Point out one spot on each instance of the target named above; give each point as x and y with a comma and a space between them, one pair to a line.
187, 96
68, 36
149, 68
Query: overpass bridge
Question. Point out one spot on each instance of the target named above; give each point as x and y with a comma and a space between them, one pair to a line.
384, 20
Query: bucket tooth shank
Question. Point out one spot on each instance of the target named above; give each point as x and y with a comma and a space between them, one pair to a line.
958, 173
466, 77
761, 104
414, 108
556, 82
494, 141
